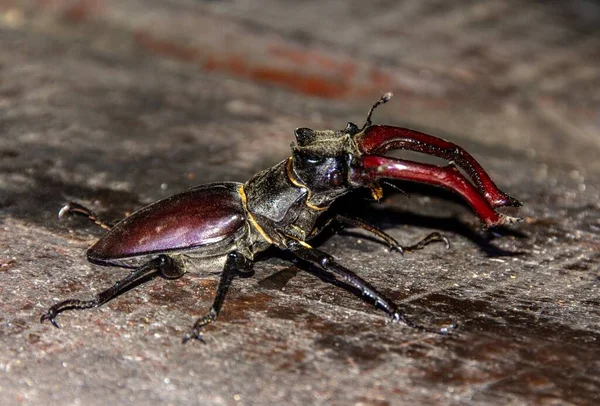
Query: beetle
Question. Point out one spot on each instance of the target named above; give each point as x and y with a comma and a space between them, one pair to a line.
284, 206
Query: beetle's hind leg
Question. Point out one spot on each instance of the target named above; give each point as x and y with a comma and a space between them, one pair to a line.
235, 264
325, 262
162, 265
74, 208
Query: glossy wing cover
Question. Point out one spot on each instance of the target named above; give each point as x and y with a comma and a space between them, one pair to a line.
200, 216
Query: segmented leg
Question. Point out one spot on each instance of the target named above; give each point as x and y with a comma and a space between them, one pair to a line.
162, 265
391, 241
235, 264
430, 238
325, 262
74, 208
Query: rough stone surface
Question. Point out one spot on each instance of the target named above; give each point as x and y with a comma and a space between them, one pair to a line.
115, 104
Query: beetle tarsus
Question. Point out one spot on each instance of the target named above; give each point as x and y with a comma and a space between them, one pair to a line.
235, 264
356, 222
75, 208
399, 317
50, 315
194, 333
162, 264
393, 245
431, 238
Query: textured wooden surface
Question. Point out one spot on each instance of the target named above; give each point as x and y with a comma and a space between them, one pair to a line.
115, 104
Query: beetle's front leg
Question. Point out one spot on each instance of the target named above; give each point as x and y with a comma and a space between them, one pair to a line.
391, 241
162, 265
235, 264
326, 262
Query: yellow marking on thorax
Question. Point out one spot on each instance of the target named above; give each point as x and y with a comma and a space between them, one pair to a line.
304, 244
298, 230
251, 217
292, 177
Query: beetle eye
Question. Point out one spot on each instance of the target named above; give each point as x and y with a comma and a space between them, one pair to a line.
314, 160
335, 178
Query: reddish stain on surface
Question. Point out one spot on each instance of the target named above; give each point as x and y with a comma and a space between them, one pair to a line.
379, 78
304, 83
81, 11
304, 58
165, 47
312, 84
328, 77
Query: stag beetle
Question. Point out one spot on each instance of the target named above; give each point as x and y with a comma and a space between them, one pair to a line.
284, 206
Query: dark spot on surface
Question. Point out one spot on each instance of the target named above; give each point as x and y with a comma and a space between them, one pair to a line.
584, 264
33, 339
9, 153
363, 400
287, 313
343, 348
13, 327
239, 305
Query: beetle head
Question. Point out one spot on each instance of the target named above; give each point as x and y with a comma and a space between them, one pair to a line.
322, 158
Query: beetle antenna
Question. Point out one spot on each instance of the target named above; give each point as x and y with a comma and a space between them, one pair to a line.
385, 182
384, 99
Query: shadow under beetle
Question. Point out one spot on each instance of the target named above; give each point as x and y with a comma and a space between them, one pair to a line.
284, 206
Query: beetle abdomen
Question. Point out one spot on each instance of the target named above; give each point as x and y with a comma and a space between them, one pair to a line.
200, 216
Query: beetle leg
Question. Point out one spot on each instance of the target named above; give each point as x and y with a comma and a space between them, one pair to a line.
356, 222
326, 262
74, 208
235, 264
373, 167
163, 265
430, 238
391, 241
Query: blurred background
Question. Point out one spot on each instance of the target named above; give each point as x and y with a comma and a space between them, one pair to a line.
115, 104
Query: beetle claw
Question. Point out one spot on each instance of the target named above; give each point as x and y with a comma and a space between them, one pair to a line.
397, 248
446, 241
64, 211
398, 317
49, 316
193, 334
